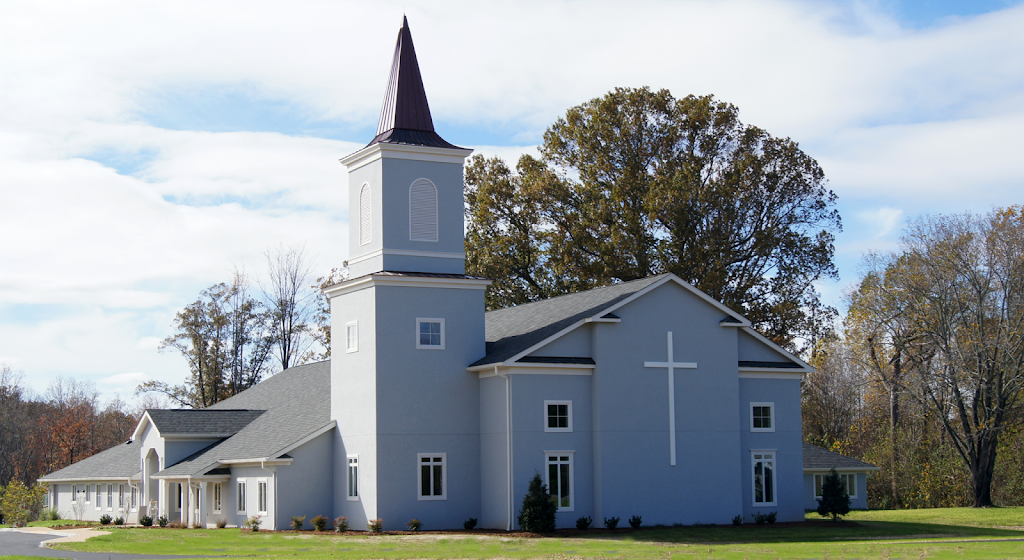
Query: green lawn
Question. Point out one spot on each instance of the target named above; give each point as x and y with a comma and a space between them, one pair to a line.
54, 523
942, 533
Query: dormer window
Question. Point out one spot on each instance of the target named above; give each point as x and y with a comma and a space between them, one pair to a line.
422, 211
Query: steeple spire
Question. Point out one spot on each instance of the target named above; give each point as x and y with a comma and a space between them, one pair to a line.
405, 117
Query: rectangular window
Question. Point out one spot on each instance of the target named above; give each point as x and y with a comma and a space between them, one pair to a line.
216, 497
88, 494
74, 493
433, 479
762, 417
241, 497
557, 416
53, 496
352, 337
110, 496
849, 484
120, 496
764, 478
135, 498
559, 478
262, 501
430, 334
353, 477
99, 497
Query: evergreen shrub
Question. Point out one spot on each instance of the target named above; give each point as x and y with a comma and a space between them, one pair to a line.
538, 512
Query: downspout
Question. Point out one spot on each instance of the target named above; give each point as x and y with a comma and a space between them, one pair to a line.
508, 441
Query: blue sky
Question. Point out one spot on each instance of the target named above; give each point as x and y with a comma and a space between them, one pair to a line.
149, 148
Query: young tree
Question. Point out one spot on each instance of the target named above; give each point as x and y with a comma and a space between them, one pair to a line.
834, 500
321, 330
538, 512
637, 183
290, 303
21, 504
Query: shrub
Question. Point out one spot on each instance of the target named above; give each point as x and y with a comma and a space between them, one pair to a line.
106, 519
772, 515
341, 524
319, 523
414, 524
833, 500
48, 514
162, 521
20, 504
175, 525
297, 522
119, 520
611, 522
254, 523
759, 518
635, 521
584, 523
469, 524
146, 521
738, 520
538, 513
221, 522
375, 525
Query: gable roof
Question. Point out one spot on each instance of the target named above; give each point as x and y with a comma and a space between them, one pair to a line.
199, 422
120, 461
292, 405
821, 459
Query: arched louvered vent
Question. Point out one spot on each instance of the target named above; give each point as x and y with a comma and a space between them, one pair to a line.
422, 211
365, 215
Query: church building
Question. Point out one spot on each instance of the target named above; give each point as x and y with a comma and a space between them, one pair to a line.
644, 398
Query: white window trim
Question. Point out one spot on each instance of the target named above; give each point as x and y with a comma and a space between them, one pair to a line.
349, 341
771, 407
218, 498
133, 497
437, 223
99, 497
241, 497
753, 477
110, 497
444, 476
429, 320
265, 484
572, 476
88, 496
74, 494
348, 476
819, 479
549, 429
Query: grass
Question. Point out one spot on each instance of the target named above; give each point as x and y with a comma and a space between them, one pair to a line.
52, 523
938, 533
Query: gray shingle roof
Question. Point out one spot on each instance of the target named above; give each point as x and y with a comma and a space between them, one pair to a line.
120, 461
514, 329
297, 403
203, 421
817, 458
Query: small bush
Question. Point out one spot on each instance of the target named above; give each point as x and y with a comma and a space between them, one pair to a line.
341, 524
175, 525
162, 521
319, 523
772, 515
584, 523
469, 524
118, 520
538, 513
297, 522
221, 522
611, 522
414, 524
254, 523
48, 514
375, 525
146, 521
105, 519
635, 521
738, 520
759, 518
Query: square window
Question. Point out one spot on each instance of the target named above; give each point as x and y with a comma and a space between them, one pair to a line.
763, 464
557, 416
432, 476
762, 417
352, 336
430, 334
353, 477
560, 478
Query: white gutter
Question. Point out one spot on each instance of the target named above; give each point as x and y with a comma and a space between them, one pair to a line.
508, 440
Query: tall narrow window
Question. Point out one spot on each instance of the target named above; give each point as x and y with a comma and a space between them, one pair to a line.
351, 336
365, 215
764, 478
216, 497
559, 475
353, 477
422, 211
432, 476
134, 503
241, 496
88, 494
74, 493
120, 496
262, 503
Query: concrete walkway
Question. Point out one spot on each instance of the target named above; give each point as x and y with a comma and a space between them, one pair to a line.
32, 541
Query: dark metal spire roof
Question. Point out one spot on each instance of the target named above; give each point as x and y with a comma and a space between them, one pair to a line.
405, 118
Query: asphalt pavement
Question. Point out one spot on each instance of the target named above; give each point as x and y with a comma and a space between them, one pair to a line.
27, 544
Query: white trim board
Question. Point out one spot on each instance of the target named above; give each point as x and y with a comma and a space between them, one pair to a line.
375, 152
406, 253
373, 280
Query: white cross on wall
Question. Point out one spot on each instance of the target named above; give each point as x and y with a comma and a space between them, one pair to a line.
672, 366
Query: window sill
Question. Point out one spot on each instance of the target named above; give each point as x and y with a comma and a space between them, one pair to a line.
432, 498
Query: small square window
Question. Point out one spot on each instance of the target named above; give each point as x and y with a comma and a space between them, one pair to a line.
430, 334
352, 336
557, 416
762, 417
